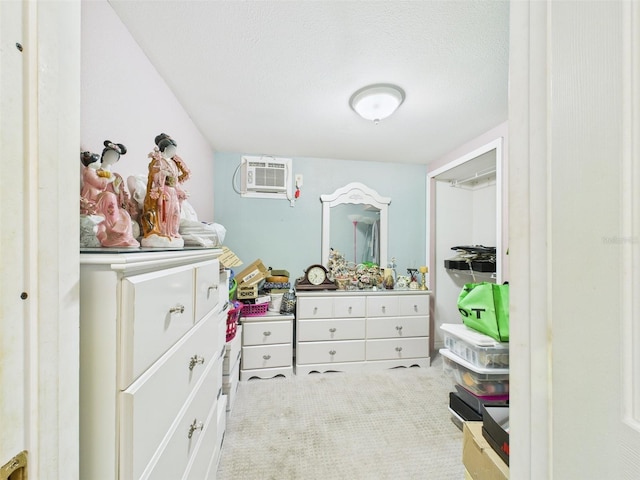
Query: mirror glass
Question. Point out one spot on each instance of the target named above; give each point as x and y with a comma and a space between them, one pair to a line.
355, 222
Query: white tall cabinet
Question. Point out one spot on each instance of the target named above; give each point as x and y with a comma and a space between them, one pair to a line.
152, 339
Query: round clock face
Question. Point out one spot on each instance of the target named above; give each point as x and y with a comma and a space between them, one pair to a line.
316, 275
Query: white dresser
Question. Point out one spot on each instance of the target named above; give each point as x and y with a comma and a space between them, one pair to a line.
152, 336
357, 330
267, 346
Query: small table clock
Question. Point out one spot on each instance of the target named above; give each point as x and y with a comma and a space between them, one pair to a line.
316, 277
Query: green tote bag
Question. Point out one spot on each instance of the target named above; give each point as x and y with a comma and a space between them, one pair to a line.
485, 307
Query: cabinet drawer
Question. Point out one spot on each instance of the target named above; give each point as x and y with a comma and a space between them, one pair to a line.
150, 405
396, 349
330, 329
211, 439
157, 311
268, 356
397, 327
382, 306
330, 352
207, 286
315, 307
178, 447
413, 305
347, 307
267, 333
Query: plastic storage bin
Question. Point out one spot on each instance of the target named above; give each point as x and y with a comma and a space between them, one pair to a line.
478, 380
475, 347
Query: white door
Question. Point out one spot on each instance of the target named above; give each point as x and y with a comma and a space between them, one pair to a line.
39, 145
574, 204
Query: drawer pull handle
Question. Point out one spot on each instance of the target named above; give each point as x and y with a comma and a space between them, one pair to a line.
332, 352
332, 330
177, 309
399, 328
384, 309
266, 357
267, 333
398, 349
415, 308
211, 287
195, 426
315, 310
195, 360
350, 308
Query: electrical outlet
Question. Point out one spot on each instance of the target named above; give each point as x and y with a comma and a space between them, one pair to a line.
298, 180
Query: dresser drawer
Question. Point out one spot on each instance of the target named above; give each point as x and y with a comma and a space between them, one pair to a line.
178, 448
157, 311
397, 349
207, 288
151, 403
382, 306
211, 440
330, 329
268, 356
330, 352
349, 307
413, 305
397, 327
267, 333
314, 307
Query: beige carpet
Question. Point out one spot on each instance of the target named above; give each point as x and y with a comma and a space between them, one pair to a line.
392, 424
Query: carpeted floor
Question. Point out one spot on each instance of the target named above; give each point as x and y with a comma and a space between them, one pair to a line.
391, 424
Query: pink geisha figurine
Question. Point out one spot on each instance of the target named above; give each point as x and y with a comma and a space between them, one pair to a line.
97, 176
115, 230
160, 218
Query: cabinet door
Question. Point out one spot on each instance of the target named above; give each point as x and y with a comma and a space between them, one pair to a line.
157, 311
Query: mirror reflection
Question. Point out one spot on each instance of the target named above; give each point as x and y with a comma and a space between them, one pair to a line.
355, 222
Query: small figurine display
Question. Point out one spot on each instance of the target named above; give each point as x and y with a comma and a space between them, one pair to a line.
160, 219
104, 220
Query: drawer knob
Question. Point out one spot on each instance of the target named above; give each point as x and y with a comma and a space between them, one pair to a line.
211, 287
195, 360
384, 309
177, 309
267, 333
398, 349
332, 352
332, 330
399, 328
415, 308
195, 426
315, 310
266, 357
350, 308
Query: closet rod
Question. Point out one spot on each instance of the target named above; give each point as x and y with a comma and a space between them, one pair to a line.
474, 178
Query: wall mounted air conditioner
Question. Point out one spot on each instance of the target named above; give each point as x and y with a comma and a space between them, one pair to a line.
265, 175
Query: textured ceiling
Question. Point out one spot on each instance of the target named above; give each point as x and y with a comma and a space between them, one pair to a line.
275, 77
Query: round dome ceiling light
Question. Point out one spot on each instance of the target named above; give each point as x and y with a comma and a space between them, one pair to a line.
377, 102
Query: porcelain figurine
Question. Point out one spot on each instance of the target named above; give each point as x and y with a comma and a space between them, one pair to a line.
115, 230
160, 219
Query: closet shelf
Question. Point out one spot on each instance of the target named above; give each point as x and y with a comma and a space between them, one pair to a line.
477, 180
491, 275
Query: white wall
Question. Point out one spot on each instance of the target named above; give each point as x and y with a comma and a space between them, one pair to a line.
126, 101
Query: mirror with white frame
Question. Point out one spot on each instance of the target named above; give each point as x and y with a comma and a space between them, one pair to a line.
355, 221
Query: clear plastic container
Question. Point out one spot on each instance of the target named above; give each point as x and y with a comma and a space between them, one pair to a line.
479, 381
475, 347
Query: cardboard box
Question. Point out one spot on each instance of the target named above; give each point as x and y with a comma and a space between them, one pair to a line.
479, 459
495, 429
245, 292
252, 274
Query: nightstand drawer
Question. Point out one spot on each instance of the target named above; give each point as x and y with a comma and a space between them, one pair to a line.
268, 356
330, 329
395, 349
330, 352
397, 327
266, 333
157, 311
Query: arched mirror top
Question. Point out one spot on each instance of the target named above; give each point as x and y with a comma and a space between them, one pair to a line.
356, 194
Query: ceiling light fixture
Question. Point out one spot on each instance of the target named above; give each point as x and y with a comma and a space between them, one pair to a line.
377, 102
